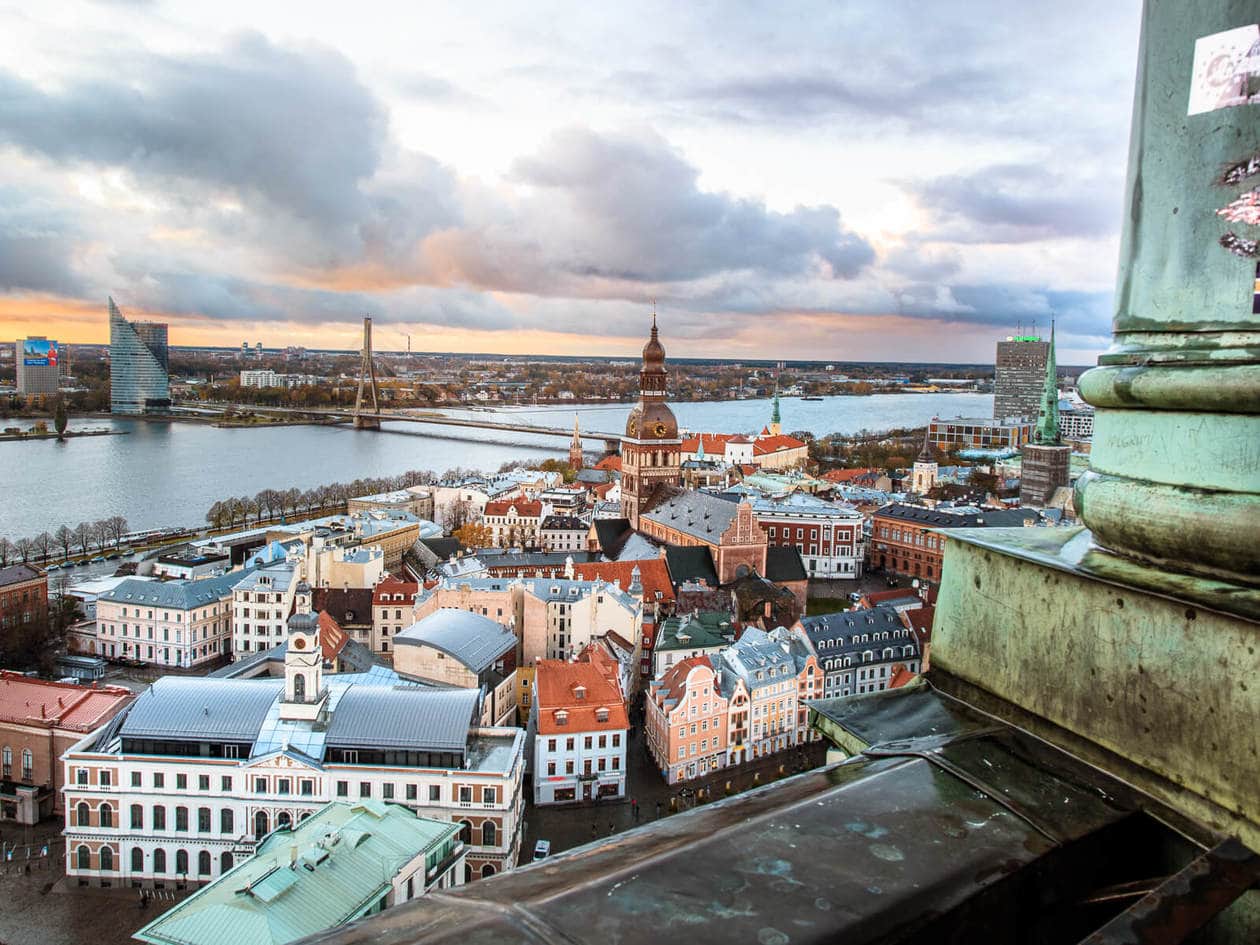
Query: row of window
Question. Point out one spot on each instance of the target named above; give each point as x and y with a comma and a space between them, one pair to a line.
83, 861
588, 742
157, 818
28, 764
601, 765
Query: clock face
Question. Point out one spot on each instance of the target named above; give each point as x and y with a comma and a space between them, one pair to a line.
659, 429
299, 643
632, 426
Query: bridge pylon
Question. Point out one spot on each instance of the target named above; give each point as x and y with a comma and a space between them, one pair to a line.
364, 418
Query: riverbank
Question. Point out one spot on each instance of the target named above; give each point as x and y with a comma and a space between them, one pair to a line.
54, 435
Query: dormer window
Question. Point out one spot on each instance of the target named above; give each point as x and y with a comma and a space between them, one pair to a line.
579, 692
601, 714
562, 717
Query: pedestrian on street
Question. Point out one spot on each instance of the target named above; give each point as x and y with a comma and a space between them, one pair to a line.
594, 832
612, 828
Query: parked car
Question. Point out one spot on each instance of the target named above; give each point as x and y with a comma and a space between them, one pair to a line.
855, 596
542, 850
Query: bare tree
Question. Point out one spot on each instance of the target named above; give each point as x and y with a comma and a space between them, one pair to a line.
64, 537
6, 551
117, 527
83, 537
25, 548
44, 545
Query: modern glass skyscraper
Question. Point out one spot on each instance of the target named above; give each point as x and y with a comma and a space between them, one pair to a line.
138, 365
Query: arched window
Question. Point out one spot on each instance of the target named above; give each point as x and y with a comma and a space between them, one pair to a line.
283, 820
83, 858
137, 817
487, 871
227, 821
107, 815
203, 819
225, 861
488, 833
28, 764
467, 873
181, 819
299, 688
159, 861
203, 863
260, 824
181, 862
83, 815
159, 817
107, 858
137, 860
465, 831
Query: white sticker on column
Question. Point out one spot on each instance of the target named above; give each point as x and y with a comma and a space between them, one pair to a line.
1226, 70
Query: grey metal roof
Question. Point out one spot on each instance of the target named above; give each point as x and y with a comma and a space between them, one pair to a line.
699, 514
754, 653
563, 522
474, 640
403, 717
201, 708
841, 633
967, 517
176, 595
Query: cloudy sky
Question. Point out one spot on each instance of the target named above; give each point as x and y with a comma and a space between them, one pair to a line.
880, 180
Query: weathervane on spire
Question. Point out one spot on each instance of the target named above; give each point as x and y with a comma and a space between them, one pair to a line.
654, 312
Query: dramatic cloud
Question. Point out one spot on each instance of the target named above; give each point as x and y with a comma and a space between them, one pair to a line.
1021, 203
490, 172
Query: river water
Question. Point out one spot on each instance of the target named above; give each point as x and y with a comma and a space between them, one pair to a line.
162, 474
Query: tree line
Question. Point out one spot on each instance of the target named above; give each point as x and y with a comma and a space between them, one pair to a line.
85, 537
274, 503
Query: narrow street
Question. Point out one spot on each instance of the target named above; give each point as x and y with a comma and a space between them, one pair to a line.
572, 825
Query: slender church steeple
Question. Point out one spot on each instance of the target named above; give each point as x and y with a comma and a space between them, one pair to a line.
1047, 431
575, 446
776, 426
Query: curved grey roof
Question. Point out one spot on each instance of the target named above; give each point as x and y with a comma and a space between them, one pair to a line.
403, 717
474, 640
201, 708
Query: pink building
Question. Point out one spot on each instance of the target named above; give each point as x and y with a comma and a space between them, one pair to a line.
686, 721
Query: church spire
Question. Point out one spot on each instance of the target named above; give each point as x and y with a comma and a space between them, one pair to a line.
925, 454
775, 424
575, 446
1047, 432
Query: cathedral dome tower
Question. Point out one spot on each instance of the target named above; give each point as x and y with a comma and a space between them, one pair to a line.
651, 448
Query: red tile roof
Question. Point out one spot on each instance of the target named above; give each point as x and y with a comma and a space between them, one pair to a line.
848, 475
28, 701
653, 575
765, 445
714, 443
558, 684
611, 463
674, 682
332, 639
896, 593
385, 591
900, 676
524, 507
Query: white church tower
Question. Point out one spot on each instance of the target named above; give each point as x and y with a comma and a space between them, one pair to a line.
924, 475
304, 691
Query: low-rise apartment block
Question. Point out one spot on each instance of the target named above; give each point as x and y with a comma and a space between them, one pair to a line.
167, 623
581, 730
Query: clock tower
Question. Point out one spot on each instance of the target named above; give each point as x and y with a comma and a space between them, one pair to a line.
651, 448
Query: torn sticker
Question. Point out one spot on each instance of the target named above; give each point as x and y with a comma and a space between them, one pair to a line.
1245, 208
1226, 70
1237, 173
1240, 246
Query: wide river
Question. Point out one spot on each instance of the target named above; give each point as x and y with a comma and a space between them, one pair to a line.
162, 474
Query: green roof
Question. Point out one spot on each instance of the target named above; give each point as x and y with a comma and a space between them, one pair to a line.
347, 858
704, 628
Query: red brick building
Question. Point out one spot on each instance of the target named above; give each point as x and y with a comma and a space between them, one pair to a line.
23, 597
728, 529
904, 538
38, 721
650, 449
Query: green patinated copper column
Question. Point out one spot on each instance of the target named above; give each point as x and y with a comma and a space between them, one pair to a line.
1175, 463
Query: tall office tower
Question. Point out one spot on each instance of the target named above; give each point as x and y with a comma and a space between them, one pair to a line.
38, 370
1017, 378
139, 363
